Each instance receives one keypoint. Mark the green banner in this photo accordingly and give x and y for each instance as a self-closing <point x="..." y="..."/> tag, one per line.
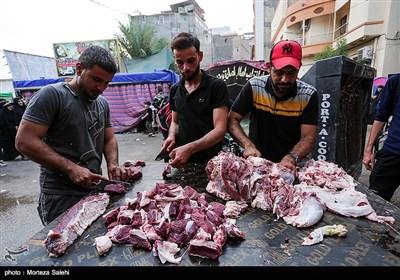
<point x="6" y="95"/>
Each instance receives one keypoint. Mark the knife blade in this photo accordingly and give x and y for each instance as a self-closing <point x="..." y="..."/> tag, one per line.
<point x="161" y="156"/>
<point x="117" y="182"/>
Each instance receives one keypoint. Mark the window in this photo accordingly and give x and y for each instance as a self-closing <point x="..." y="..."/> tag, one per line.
<point x="343" y="25"/>
<point x="305" y="25"/>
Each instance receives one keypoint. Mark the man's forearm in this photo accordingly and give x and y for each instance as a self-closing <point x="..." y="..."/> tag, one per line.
<point x="238" y="134"/>
<point x="207" y="141"/>
<point x="173" y="130"/>
<point x="41" y="153"/>
<point x="304" y="146"/>
<point x="376" y="130"/>
<point x="111" y="152"/>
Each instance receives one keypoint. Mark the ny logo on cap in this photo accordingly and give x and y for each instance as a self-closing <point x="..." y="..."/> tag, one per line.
<point x="287" y="49"/>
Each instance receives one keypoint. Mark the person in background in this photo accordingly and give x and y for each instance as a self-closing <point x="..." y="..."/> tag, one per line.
<point x="164" y="117"/>
<point x="2" y="164"/>
<point x="284" y="111"/>
<point x="385" y="164"/>
<point x="148" y="117"/>
<point x="160" y="99"/>
<point x="60" y="51"/>
<point x="67" y="129"/>
<point x="199" y="105"/>
<point x="19" y="108"/>
<point x="9" y="122"/>
<point x="162" y="114"/>
<point x="373" y="104"/>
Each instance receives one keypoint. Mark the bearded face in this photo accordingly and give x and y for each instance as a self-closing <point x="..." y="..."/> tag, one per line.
<point x="188" y="62"/>
<point x="284" y="79"/>
<point x="190" y="75"/>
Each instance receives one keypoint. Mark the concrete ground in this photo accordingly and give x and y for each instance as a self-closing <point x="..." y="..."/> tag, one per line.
<point x="19" y="190"/>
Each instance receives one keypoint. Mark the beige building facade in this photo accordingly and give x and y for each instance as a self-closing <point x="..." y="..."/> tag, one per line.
<point x="371" y="29"/>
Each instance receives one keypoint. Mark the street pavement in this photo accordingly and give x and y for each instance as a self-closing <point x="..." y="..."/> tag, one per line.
<point x="19" y="190"/>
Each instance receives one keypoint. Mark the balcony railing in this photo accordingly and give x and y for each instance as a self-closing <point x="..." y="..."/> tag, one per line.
<point x="339" y="32"/>
<point x="323" y="37"/>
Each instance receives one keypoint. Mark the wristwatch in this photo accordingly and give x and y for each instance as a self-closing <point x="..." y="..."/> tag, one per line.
<point x="294" y="156"/>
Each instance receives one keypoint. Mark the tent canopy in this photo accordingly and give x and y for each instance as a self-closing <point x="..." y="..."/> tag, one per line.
<point x="157" y="76"/>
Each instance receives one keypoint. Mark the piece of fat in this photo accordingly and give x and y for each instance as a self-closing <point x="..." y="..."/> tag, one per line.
<point x="317" y="235"/>
<point x="103" y="244"/>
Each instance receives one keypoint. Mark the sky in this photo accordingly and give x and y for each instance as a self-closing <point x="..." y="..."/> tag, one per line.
<point x="33" y="26"/>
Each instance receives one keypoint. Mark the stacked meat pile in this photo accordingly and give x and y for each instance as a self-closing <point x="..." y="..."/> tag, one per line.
<point x="269" y="186"/>
<point x="168" y="218"/>
<point x="336" y="190"/>
<point x="263" y="184"/>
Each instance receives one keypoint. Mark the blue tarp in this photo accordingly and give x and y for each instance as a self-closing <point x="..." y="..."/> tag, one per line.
<point x="158" y="76"/>
<point x="35" y="83"/>
<point x="126" y="94"/>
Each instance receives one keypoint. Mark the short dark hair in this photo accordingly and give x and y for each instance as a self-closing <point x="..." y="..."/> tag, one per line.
<point x="185" y="40"/>
<point x="160" y="89"/>
<point x="96" y="55"/>
<point x="147" y="102"/>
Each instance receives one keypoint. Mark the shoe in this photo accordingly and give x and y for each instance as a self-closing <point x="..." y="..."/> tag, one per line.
<point x="151" y="135"/>
<point x="2" y="164"/>
<point x="24" y="158"/>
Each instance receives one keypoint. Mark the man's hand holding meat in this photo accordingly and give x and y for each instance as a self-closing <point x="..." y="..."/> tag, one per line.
<point x="251" y="151"/>
<point x="180" y="155"/>
<point x="118" y="172"/>
<point x="288" y="162"/>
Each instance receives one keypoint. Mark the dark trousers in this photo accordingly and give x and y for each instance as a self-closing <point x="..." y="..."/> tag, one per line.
<point x="9" y="152"/>
<point x="53" y="205"/>
<point x="385" y="176"/>
<point x="149" y="127"/>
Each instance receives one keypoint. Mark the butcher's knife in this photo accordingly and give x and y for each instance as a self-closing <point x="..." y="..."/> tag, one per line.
<point x="161" y="156"/>
<point x="117" y="182"/>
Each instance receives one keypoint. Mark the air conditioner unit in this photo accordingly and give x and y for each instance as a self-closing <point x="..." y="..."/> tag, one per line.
<point x="365" y="53"/>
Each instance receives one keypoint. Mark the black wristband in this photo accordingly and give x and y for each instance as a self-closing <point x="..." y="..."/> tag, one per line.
<point x="293" y="156"/>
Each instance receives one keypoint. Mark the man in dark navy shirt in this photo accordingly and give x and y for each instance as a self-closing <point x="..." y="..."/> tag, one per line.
<point x="385" y="164"/>
<point x="199" y="104"/>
